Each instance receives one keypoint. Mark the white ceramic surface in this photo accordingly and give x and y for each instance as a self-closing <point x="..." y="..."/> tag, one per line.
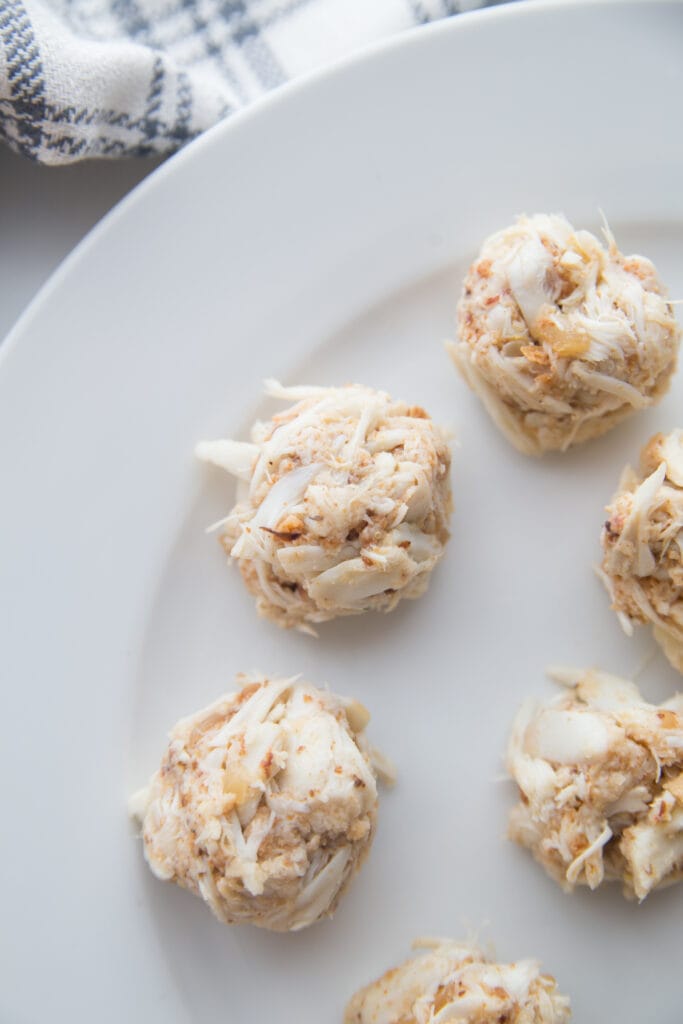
<point x="320" y="237"/>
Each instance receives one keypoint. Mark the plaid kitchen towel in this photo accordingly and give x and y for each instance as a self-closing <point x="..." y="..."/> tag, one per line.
<point x="83" y="78"/>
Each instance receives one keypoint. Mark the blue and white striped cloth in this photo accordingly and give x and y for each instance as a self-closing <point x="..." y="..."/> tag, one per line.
<point x="84" y="78"/>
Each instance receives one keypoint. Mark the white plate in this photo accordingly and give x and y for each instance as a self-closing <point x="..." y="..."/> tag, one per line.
<point x="321" y="237"/>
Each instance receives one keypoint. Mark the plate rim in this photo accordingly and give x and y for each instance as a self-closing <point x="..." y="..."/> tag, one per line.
<point x="269" y="102"/>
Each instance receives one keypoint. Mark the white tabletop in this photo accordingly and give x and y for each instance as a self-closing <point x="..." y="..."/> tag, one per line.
<point x="44" y="213"/>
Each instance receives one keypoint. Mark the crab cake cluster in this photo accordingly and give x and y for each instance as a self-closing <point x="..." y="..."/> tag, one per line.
<point x="265" y="804"/>
<point x="452" y="981"/>
<point x="343" y="506"/>
<point x="642" y="541"/>
<point x="600" y="777"/>
<point x="560" y="336"/>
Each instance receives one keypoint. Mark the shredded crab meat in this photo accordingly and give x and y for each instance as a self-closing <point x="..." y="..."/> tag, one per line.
<point x="560" y="336"/>
<point x="265" y="803"/>
<point x="642" y="542"/>
<point x="600" y="777"/>
<point x="454" y="981"/>
<point x="343" y="503"/>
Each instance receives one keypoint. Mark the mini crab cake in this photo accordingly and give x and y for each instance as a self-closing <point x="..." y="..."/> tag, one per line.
<point x="453" y="981"/>
<point x="561" y="337"/>
<point x="343" y="507"/>
<point x="600" y="775"/>
<point x="264" y="805"/>
<point x="642" y="541"/>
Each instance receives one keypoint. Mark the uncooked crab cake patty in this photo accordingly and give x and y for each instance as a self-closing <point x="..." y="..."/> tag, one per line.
<point x="560" y="336"/>
<point x="642" y="542"/>
<point x="265" y="803"/>
<point x="454" y="981"/>
<point x="600" y="777"/>
<point x="343" y="503"/>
